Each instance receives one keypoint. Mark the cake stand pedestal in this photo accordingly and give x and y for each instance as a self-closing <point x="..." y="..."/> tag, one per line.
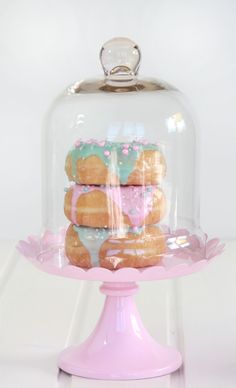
<point x="119" y="348"/>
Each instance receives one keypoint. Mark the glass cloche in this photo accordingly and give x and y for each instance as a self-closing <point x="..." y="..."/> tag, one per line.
<point x="120" y="173"/>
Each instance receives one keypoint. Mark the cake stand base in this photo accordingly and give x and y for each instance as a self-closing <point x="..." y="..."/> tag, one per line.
<point x="119" y="348"/>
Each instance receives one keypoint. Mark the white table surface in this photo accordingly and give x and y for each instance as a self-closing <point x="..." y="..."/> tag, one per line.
<point x="41" y="314"/>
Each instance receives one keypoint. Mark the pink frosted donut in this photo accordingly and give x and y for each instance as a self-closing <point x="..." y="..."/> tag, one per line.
<point x="114" y="206"/>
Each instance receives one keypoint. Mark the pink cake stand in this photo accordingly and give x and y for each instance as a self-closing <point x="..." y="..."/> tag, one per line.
<point x="119" y="348"/>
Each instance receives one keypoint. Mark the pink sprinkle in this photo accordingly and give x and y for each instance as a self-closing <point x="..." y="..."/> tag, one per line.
<point x="143" y="141"/>
<point x="101" y="143"/>
<point x="106" y="153"/>
<point x="126" y="145"/>
<point x="135" y="148"/>
<point x="77" y="143"/>
<point x="125" y="151"/>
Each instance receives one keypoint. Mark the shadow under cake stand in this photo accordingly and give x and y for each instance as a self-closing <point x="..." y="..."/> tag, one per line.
<point x="119" y="348"/>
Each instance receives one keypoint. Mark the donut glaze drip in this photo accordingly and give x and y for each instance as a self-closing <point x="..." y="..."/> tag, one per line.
<point x="92" y="239"/>
<point x="134" y="201"/>
<point x="119" y="158"/>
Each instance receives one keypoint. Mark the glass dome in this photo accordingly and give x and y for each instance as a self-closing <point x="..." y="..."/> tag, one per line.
<point x="120" y="172"/>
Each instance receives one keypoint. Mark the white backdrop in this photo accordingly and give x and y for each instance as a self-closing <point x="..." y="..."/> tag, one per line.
<point x="48" y="44"/>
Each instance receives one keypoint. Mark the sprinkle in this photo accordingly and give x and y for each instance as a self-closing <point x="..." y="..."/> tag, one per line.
<point x="106" y="153"/>
<point x="126" y="146"/>
<point x="135" y="148"/>
<point x="86" y="188"/>
<point x="142" y="141"/>
<point x="125" y="151"/>
<point x="101" y="143"/>
<point x="77" y="143"/>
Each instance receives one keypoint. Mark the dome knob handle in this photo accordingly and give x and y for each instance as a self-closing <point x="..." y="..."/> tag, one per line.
<point x="120" y="59"/>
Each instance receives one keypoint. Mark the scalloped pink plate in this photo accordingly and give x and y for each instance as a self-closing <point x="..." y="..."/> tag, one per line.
<point x="180" y="262"/>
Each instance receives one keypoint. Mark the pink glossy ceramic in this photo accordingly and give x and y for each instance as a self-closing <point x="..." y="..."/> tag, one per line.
<point x="119" y="348"/>
<point x="181" y="262"/>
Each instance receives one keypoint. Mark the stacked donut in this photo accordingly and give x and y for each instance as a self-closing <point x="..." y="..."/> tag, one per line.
<point x="114" y="204"/>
